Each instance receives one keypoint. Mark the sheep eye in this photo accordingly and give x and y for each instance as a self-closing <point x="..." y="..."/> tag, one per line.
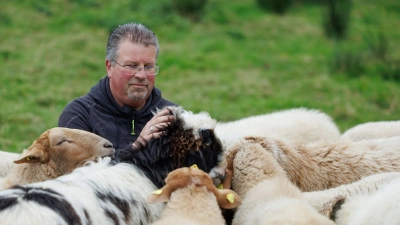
<point x="62" y="141"/>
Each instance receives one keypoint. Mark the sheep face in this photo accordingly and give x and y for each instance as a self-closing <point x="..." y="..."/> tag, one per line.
<point x="66" y="148"/>
<point x="190" y="140"/>
<point x="184" y="177"/>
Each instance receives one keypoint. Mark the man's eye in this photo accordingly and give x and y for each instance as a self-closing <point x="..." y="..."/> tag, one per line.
<point x="149" y="67"/>
<point x="131" y="67"/>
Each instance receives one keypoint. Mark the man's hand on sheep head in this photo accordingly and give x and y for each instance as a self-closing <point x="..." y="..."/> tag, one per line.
<point x="155" y="128"/>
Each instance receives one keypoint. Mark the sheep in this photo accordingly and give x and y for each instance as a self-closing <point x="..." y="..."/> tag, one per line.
<point x="101" y="193"/>
<point x="6" y="162"/>
<point x="190" y="140"/>
<point x="372" y="200"/>
<point x="57" y="151"/>
<point x="192" y="198"/>
<point x="268" y="195"/>
<point x="381" y="208"/>
<point x="296" y="125"/>
<point x="322" y="165"/>
<point x="373" y="130"/>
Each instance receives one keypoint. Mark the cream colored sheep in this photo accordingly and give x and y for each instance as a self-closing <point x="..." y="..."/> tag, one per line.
<point x="7" y="162"/>
<point x="380" y="208"/>
<point x="268" y="195"/>
<point x="296" y="125"/>
<point x="371" y="200"/>
<point x="373" y="130"/>
<point x="56" y="152"/>
<point x="322" y="165"/>
<point x="192" y="199"/>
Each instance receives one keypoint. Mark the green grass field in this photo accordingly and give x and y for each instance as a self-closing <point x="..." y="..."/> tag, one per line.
<point x="236" y="61"/>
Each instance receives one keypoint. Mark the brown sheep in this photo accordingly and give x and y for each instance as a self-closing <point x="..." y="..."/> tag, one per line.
<point x="268" y="195"/>
<point x="322" y="165"/>
<point x="56" y="152"/>
<point x="192" y="198"/>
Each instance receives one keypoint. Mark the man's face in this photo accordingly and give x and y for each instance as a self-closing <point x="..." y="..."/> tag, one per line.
<point x="127" y="88"/>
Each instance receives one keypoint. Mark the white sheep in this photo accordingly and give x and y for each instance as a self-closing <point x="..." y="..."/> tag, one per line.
<point x="321" y="165"/>
<point x="381" y="208"/>
<point x="373" y="130"/>
<point x="7" y="162"/>
<point x="56" y="152"/>
<point x="296" y="125"/>
<point x="371" y="200"/>
<point x="193" y="199"/>
<point x="268" y="195"/>
<point x="99" y="193"/>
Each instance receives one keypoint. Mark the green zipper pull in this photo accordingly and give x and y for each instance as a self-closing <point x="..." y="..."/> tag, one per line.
<point x="133" y="127"/>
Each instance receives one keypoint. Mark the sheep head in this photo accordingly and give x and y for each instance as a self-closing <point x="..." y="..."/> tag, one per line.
<point x="66" y="149"/>
<point x="183" y="177"/>
<point x="190" y="140"/>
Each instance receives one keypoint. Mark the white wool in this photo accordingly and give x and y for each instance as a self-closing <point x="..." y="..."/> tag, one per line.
<point x="6" y="162"/>
<point x="371" y="200"/>
<point x="373" y="130"/>
<point x="383" y="207"/>
<point x="294" y="125"/>
<point x="197" y="122"/>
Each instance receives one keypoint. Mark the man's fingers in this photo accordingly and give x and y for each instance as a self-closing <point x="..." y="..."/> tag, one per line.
<point x="156" y="135"/>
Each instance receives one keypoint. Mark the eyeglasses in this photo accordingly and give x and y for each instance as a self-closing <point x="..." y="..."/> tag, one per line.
<point x="148" y="70"/>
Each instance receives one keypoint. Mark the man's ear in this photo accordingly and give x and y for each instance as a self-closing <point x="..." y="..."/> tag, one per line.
<point x="228" y="199"/>
<point x="108" y="67"/>
<point x="160" y="195"/>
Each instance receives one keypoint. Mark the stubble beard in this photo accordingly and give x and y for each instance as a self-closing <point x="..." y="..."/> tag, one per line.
<point x="137" y="94"/>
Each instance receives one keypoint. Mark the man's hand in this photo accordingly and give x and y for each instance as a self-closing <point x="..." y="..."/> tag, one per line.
<point x="155" y="128"/>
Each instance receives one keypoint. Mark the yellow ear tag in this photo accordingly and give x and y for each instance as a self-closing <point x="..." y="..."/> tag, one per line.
<point x="220" y="186"/>
<point x="157" y="192"/>
<point x="231" y="198"/>
<point x="194" y="166"/>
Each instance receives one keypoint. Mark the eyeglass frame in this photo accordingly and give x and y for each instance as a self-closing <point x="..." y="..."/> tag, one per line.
<point x="135" y="70"/>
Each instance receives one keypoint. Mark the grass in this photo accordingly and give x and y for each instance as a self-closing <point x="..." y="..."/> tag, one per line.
<point x="236" y="61"/>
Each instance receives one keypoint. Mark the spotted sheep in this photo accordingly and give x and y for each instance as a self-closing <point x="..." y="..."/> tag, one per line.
<point x="114" y="190"/>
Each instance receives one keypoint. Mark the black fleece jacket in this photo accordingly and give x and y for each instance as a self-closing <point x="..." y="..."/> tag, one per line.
<point x="99" y="113"/>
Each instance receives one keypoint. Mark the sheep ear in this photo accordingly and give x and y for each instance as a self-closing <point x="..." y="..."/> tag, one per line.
<point x="330" y="208"/>
<point x="228" y="199"/>
<point x="32" y="158"/>
<point x="159" y="196"/>
<point x="37" y="152"/>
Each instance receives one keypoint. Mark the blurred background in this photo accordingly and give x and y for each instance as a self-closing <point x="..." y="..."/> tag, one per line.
<point x="230" y="58"/>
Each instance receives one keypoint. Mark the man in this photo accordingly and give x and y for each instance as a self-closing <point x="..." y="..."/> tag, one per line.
<point x="120" y="107"/>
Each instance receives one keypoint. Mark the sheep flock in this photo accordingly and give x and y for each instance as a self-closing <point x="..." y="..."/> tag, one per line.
<point x="287" y="167"/>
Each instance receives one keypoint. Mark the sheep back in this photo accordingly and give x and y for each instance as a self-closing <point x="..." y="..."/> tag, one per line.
<point x="99" y="193"/>
<point x="372" y="130"/>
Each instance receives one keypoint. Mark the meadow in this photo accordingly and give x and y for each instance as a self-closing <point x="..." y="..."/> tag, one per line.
<point x="236" y="60"/>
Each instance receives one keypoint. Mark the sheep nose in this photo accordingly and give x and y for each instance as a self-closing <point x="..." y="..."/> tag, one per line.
<point x="108" y="144"/>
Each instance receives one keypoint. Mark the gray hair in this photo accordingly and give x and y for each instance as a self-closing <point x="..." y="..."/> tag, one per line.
<point x="135" y="32"/>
